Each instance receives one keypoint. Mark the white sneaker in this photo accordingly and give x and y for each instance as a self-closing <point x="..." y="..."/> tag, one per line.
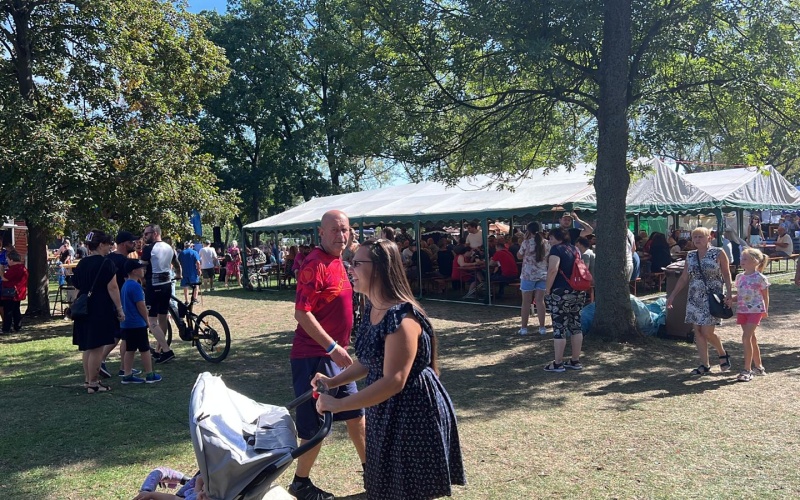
<point x="542" y="330"/>
<point x="523" y="331"/>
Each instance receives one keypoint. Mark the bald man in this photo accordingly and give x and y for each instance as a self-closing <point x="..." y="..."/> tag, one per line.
<point x="324" y="314"/>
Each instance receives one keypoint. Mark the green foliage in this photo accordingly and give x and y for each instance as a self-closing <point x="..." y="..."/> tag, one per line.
<point x="94" y="113"/>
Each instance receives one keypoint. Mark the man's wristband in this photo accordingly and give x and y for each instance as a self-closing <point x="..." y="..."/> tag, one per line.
<point x="331" y="347"/>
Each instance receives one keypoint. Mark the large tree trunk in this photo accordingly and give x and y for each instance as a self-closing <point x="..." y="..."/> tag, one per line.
<point x="38" y="280"/>
<point x="614" y="318"/>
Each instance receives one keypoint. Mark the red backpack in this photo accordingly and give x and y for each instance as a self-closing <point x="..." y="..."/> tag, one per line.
<point x="580" y="279"/>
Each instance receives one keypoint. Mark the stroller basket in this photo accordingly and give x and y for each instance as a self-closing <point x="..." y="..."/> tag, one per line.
<point x="242" y="446"/>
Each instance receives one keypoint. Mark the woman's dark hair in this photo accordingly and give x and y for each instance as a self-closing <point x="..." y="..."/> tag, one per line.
<point x="559" y="235"/>
<point x="95" y="238"/>
<point x="659" y="240"/>
<point x="389" y="276"/>
<point x="584" y="242"/>
<point x="538" y="241"/>
<point x="461" y="249"/>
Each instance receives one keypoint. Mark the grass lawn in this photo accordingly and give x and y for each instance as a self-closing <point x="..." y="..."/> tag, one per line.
<point x="632" y="424"/>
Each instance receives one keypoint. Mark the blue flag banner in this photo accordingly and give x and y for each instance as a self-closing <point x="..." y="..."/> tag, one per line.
<point x="196" y="224"/>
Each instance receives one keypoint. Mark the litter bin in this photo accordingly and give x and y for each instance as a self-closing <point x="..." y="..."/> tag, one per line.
<point x="676" y="326"/>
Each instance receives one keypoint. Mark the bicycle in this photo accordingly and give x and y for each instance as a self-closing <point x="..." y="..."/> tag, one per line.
<point x="206" y="330"/>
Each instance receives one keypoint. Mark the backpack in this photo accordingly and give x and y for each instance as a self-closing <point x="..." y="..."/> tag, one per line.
<point x="580" y="279"/>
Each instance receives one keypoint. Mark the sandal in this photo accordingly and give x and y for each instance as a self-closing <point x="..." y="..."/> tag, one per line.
<point x="700" y="370"/>
<point x="554" y="367"/>
<point x="723" y="367"/>
<point x="98" y="388"/>
<point x="744" y="376"/>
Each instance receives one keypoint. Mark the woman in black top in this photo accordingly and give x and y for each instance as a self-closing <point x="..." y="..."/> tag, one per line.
<point x="565" y="303"/>
<point x="660" y="256"/>
<point x="92" y="333"/>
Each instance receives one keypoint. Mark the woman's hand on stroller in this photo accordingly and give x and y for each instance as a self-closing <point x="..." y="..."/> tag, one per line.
<point x="327" y="403"/>
<point x="318" y="379"/>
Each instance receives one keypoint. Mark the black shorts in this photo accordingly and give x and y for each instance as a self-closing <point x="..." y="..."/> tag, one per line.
<point x="208" y="273"/>
<point x="157" y="299"/>
<point x="136" y="339"/>
<point x="307" y="420"/>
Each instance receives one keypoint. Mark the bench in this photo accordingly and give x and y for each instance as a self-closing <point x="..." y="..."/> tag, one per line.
<point x="780" y="259"/>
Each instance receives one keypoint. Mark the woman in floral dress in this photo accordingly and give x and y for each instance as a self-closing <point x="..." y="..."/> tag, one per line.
<point x="706" y="270"/>
<point x="413" y="449"/>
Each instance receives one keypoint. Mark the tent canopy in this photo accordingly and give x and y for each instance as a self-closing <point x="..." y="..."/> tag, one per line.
<point x="663" y="191"/>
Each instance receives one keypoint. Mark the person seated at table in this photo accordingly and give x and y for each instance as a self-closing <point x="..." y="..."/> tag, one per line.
<point x="406" y="252"/>
<point x="674" y="246"/>
<point x="471" y="265"/>
<point x="432" y="247"/>
<point x="514" y="247"/>
<point x="418" y="257"/>
<point x="444" y="259"/>
<point x="660" y="253"/>
<point x="508" y="272"/>
<point x="492" y="241"/>
<point x="790" y="224"/>
<point x="587" y="254"/>
<point x="783" y="244"/>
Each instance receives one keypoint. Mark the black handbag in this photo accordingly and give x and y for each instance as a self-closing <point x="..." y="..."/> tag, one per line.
<point x="80" y="306"/>
<point x="9" y="293"/>
<point x="716" y="301"/>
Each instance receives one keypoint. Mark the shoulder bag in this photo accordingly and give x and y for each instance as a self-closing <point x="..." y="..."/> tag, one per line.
<point x="80" y="306"/>
<point x="716" y="301"/>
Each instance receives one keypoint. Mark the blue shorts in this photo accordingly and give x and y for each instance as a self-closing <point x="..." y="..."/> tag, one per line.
<point x="187" y="281"/>
<point x="307" y="420"/>
<point x="530" y="286"/>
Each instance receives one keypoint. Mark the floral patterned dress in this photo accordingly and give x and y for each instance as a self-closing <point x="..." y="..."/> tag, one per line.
<point x="413" y="450"/>
<point x="697" y="312"/>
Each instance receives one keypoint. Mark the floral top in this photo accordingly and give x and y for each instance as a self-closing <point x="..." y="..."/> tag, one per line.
<point x="532" y="270"/>
<point x="749" y="298"/>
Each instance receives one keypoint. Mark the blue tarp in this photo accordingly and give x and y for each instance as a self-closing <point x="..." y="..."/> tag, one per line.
<point x="648" y="316"/>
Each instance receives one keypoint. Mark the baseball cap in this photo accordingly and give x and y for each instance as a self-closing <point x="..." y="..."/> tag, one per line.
<point x="567" y="214"/>
<point x="133" y="264"/>
<point x="125" y="236"/>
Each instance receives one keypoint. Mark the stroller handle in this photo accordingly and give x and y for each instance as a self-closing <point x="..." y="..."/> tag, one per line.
<point x="327" y="419"/>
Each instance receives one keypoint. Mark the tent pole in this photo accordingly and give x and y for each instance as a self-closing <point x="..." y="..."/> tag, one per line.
<point x="419" y="256"/>
<point x="720" y="223"/>
<point x="485" y="230"/>
<point x="245" y="274"/>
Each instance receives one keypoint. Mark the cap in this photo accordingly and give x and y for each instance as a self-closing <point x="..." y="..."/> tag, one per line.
<point x="133" y="264"/>
<point x="567" y="214"/>
<point x="125" y="236"/>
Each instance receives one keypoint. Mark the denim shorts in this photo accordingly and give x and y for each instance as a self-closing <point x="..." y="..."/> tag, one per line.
<point x="530" y="286"/>
<point x="307" y="420"/>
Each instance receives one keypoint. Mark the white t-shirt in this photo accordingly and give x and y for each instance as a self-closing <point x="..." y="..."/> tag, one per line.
<point x="787" y="240"/>
<point x="207" y="255"/>
<point x="475" y="240"/>
<point x="161" y="262"/>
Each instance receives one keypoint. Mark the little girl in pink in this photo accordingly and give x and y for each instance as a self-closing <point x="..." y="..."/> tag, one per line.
<point x="752" y="304"/>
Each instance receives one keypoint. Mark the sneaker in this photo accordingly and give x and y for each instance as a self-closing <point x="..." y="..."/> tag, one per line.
<point x="759" y="371"/>
<point x="309" y="492"/>
<point x="480" y="286"/>
<point x="104" y="373"/>
<point x="542" y="330"/>
<point x="132" y="379"/>
<point x="166" y="356"/>
<point x="744" y="376"/>
<point x="121" y="373"/>
<point x="523" y="331"/>
<point x="573" y="365"/>
<point x="470" y="294"/>
<point x="554" y="367"/>
<point x="152" y="377"/>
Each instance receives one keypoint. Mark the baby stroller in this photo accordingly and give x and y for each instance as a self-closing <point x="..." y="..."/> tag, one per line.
<point x="242" y="446"/>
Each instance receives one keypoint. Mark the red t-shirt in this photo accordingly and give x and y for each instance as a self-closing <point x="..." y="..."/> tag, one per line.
<point x="508" y="264"/>
<point x="324" y="290"/>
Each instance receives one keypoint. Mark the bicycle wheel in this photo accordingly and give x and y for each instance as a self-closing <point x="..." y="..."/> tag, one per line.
<point x="212" y="337"/>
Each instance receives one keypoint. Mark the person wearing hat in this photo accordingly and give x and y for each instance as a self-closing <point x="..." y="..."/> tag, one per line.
<point x="567" y="221"/>
<point x="134" y="327"/>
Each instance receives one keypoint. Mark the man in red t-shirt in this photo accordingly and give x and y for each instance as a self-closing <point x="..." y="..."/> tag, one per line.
<point x="508" y="266"/>
<point x="324" y="314"/>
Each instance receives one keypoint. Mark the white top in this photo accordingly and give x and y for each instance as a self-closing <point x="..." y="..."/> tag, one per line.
<point x="161" y="262"/>
<point x="475" y="240"/>
<point x="787" y="240"/>
<point x="207" y="255"/>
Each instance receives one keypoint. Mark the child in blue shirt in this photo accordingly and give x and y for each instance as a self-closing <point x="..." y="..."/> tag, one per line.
<point x="134" y="328"/>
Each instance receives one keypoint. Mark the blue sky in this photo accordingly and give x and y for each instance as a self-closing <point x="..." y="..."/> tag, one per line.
<point x="198" y="5"/>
